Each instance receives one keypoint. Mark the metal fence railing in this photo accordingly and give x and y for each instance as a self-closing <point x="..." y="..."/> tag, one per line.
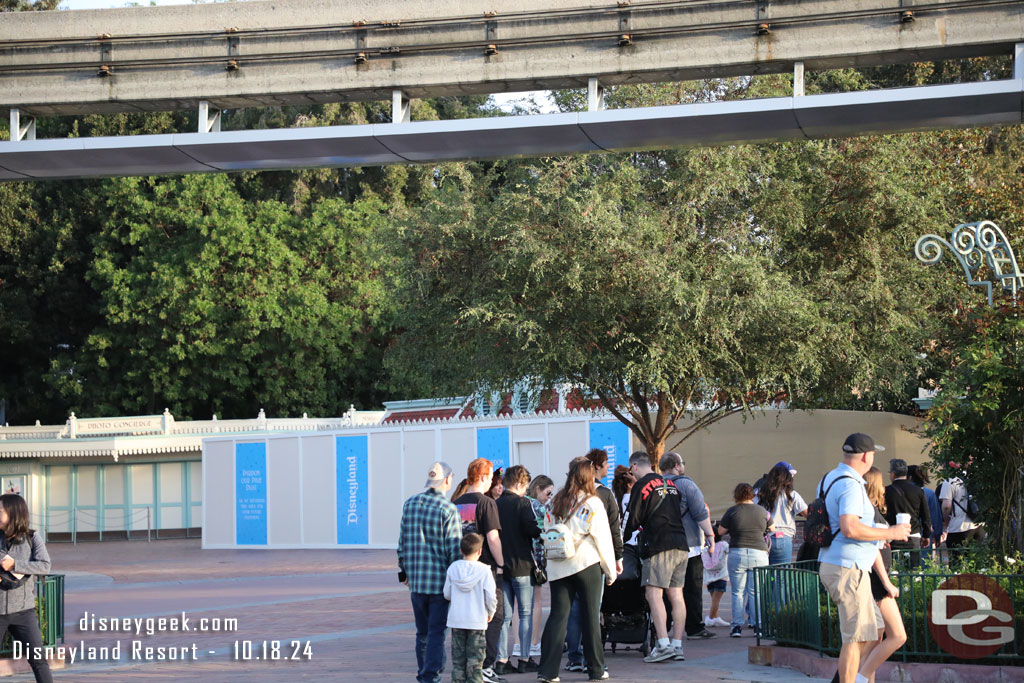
<point x="49" y="609"/>
<point x="796" y="611"/>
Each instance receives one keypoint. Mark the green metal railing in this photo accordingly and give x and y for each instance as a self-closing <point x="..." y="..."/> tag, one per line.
<point x="796" y="611"/>
<point x="49" y="609"/>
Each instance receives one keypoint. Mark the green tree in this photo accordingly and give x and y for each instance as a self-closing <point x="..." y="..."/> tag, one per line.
<point x="215" y="305"/>
<point x="977" y="420"/>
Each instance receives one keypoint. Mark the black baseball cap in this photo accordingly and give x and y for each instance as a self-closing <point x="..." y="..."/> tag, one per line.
<point x="860" y="443"/>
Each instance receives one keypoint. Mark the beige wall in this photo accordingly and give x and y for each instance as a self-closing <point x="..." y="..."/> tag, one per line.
<point x="734" y="450"/>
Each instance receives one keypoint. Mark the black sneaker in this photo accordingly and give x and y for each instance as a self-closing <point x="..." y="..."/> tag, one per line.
<point x="526" y="666"/>
<point x="703" y="635"/>
<point x="575" y="667"/>
<point x="502" y="668"/>
<point x="737" y="632"/>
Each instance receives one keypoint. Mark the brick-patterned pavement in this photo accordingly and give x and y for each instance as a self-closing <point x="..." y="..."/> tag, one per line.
<point x="346" y="604"/>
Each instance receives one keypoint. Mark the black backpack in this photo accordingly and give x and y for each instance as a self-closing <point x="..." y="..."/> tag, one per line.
<point x="972" y="508"/>
<point x="817" y="529"/>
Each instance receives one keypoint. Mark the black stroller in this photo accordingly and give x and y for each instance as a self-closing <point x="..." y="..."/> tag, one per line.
<point x="625" y="616"/>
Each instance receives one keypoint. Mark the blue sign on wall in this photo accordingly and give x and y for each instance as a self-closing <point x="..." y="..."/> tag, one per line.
<point x="251" y="494"/>
<point x="613" y="437"/>
<point x="353" y="468"/>
<point x="493" y="445"/>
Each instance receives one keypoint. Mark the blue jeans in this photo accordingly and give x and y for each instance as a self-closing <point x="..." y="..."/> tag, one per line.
<point x="781" y="552"/>
<point x="431" y="613"/>
<point x="741" y="580"/>
<point x="574" y="632"/>
<point x="517" y="589"/>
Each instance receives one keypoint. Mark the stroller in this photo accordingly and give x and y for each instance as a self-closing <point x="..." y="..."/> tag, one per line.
<point x="625" y="616"/>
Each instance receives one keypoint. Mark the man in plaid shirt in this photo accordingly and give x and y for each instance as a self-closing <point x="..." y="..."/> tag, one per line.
<point x="427" y="543"/>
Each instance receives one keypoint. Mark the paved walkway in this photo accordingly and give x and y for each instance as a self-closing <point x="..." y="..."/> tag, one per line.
<point x="345" y="605"/>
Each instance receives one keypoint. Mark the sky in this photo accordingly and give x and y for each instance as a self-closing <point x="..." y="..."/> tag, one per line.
<point x="503" y="100"/>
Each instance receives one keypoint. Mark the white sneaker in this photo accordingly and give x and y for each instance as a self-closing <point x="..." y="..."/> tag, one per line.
<point x="709" y="622"/>
<point x="515" y="650"/>
<point x="660" y="654"/>
<point x="719" y="621"/>
<point x="535" y="650"/>
<point x="678" y="655"/>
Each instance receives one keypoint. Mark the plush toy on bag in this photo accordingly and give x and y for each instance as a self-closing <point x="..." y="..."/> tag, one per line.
<point x="561" y="538"/>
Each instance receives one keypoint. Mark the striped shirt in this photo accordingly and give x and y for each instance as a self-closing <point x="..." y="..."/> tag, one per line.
<point x="428" y="541"/>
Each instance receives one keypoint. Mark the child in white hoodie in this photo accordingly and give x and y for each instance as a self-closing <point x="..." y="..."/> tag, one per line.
<point x="470" y="587"/>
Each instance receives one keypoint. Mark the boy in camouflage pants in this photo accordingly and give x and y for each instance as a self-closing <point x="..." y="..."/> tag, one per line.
<point x="470" y="587"/>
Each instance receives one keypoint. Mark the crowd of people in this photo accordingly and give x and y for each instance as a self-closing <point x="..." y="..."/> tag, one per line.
<point x="505" y="540"/>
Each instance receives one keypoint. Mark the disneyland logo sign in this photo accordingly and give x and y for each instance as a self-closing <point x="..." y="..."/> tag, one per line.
<point x="971" y="616"/>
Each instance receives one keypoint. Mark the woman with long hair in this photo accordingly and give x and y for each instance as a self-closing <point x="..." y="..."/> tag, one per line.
<point x="22" y="556"/>
<point x="578" y="516"/>
<point x="892" y="637"/>
<point x="622" y="484"/>
<point x="784" y="504"/>
<point x="746" y="523"/>
<point x="539" y="494"/>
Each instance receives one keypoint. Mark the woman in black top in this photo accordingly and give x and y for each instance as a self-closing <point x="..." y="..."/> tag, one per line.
<point x="882" y="590"/>
<point x="747" y="524"/>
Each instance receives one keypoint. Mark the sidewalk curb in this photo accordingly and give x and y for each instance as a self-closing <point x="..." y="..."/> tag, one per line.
<point x="820" y="666"/>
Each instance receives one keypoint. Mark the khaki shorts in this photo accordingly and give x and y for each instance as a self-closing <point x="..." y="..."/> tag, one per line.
<point x="850" y="589"/>
<point x="667" y="569"/>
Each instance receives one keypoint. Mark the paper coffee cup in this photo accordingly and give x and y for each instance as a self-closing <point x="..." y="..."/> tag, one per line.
<point x="903" y="518"/>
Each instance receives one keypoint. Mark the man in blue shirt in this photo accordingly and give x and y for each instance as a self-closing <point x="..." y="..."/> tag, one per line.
<point x="428" y="542"/>
<point x="846" y="562"/>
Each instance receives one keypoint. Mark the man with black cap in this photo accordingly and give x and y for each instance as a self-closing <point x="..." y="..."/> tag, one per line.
<point x="428" y="541"/>
<point x="846" y="562"/>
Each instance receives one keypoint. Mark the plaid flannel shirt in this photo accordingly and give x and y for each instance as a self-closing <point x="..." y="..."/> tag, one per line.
<point x="428" y="541"/>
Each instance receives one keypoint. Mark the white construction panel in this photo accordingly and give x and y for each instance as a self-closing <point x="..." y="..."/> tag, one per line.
<point x="115" y="519"/>
<point x="458" y="449"/>
<point x="530" y="454"/>
<point x="385" y="512"/>
<point x="566" y="440"/>
<point x="319" y="512"/>
<point x="283" y="527"/>
<point x="420" y="452"/>
<point x="219" y="501"/>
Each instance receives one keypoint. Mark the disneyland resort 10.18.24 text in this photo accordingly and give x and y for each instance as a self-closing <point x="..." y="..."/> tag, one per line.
<point x="139" y="629"/>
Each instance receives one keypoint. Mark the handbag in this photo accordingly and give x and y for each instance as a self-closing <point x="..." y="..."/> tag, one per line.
<point x="538" y="575"/>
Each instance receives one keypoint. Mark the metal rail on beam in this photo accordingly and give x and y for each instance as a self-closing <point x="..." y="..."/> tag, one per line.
<point x="427" y="142"/>
<point x="303" y="52"/>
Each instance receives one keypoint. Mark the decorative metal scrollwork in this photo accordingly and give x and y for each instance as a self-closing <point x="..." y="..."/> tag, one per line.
<point x="976" y="245"/>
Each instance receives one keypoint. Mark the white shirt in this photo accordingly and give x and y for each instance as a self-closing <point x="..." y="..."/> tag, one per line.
<point x="954" y="491"/>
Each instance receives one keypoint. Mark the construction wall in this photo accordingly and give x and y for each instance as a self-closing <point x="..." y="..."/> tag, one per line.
<point x="346" y="488"/>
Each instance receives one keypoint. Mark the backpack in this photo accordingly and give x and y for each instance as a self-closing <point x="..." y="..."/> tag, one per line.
<point x="817" y="528"/>
<point x="560" y="542"/>
<point x="972" y="508"/>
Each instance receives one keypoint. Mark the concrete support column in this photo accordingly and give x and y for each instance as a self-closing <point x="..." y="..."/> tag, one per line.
<point x="595" y="95"/>
<point x="209" y="118"/>
<point x="22" y="128"/>
<point x="1018" y="60"/>
<point x="798" y="79"/>
<point x="401" y="112"/>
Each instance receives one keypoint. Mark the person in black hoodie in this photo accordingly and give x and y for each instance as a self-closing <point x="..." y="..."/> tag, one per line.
<point x="654" y="506"/>
<point x="518" y="529"/>
<point x="904" y="496"/>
